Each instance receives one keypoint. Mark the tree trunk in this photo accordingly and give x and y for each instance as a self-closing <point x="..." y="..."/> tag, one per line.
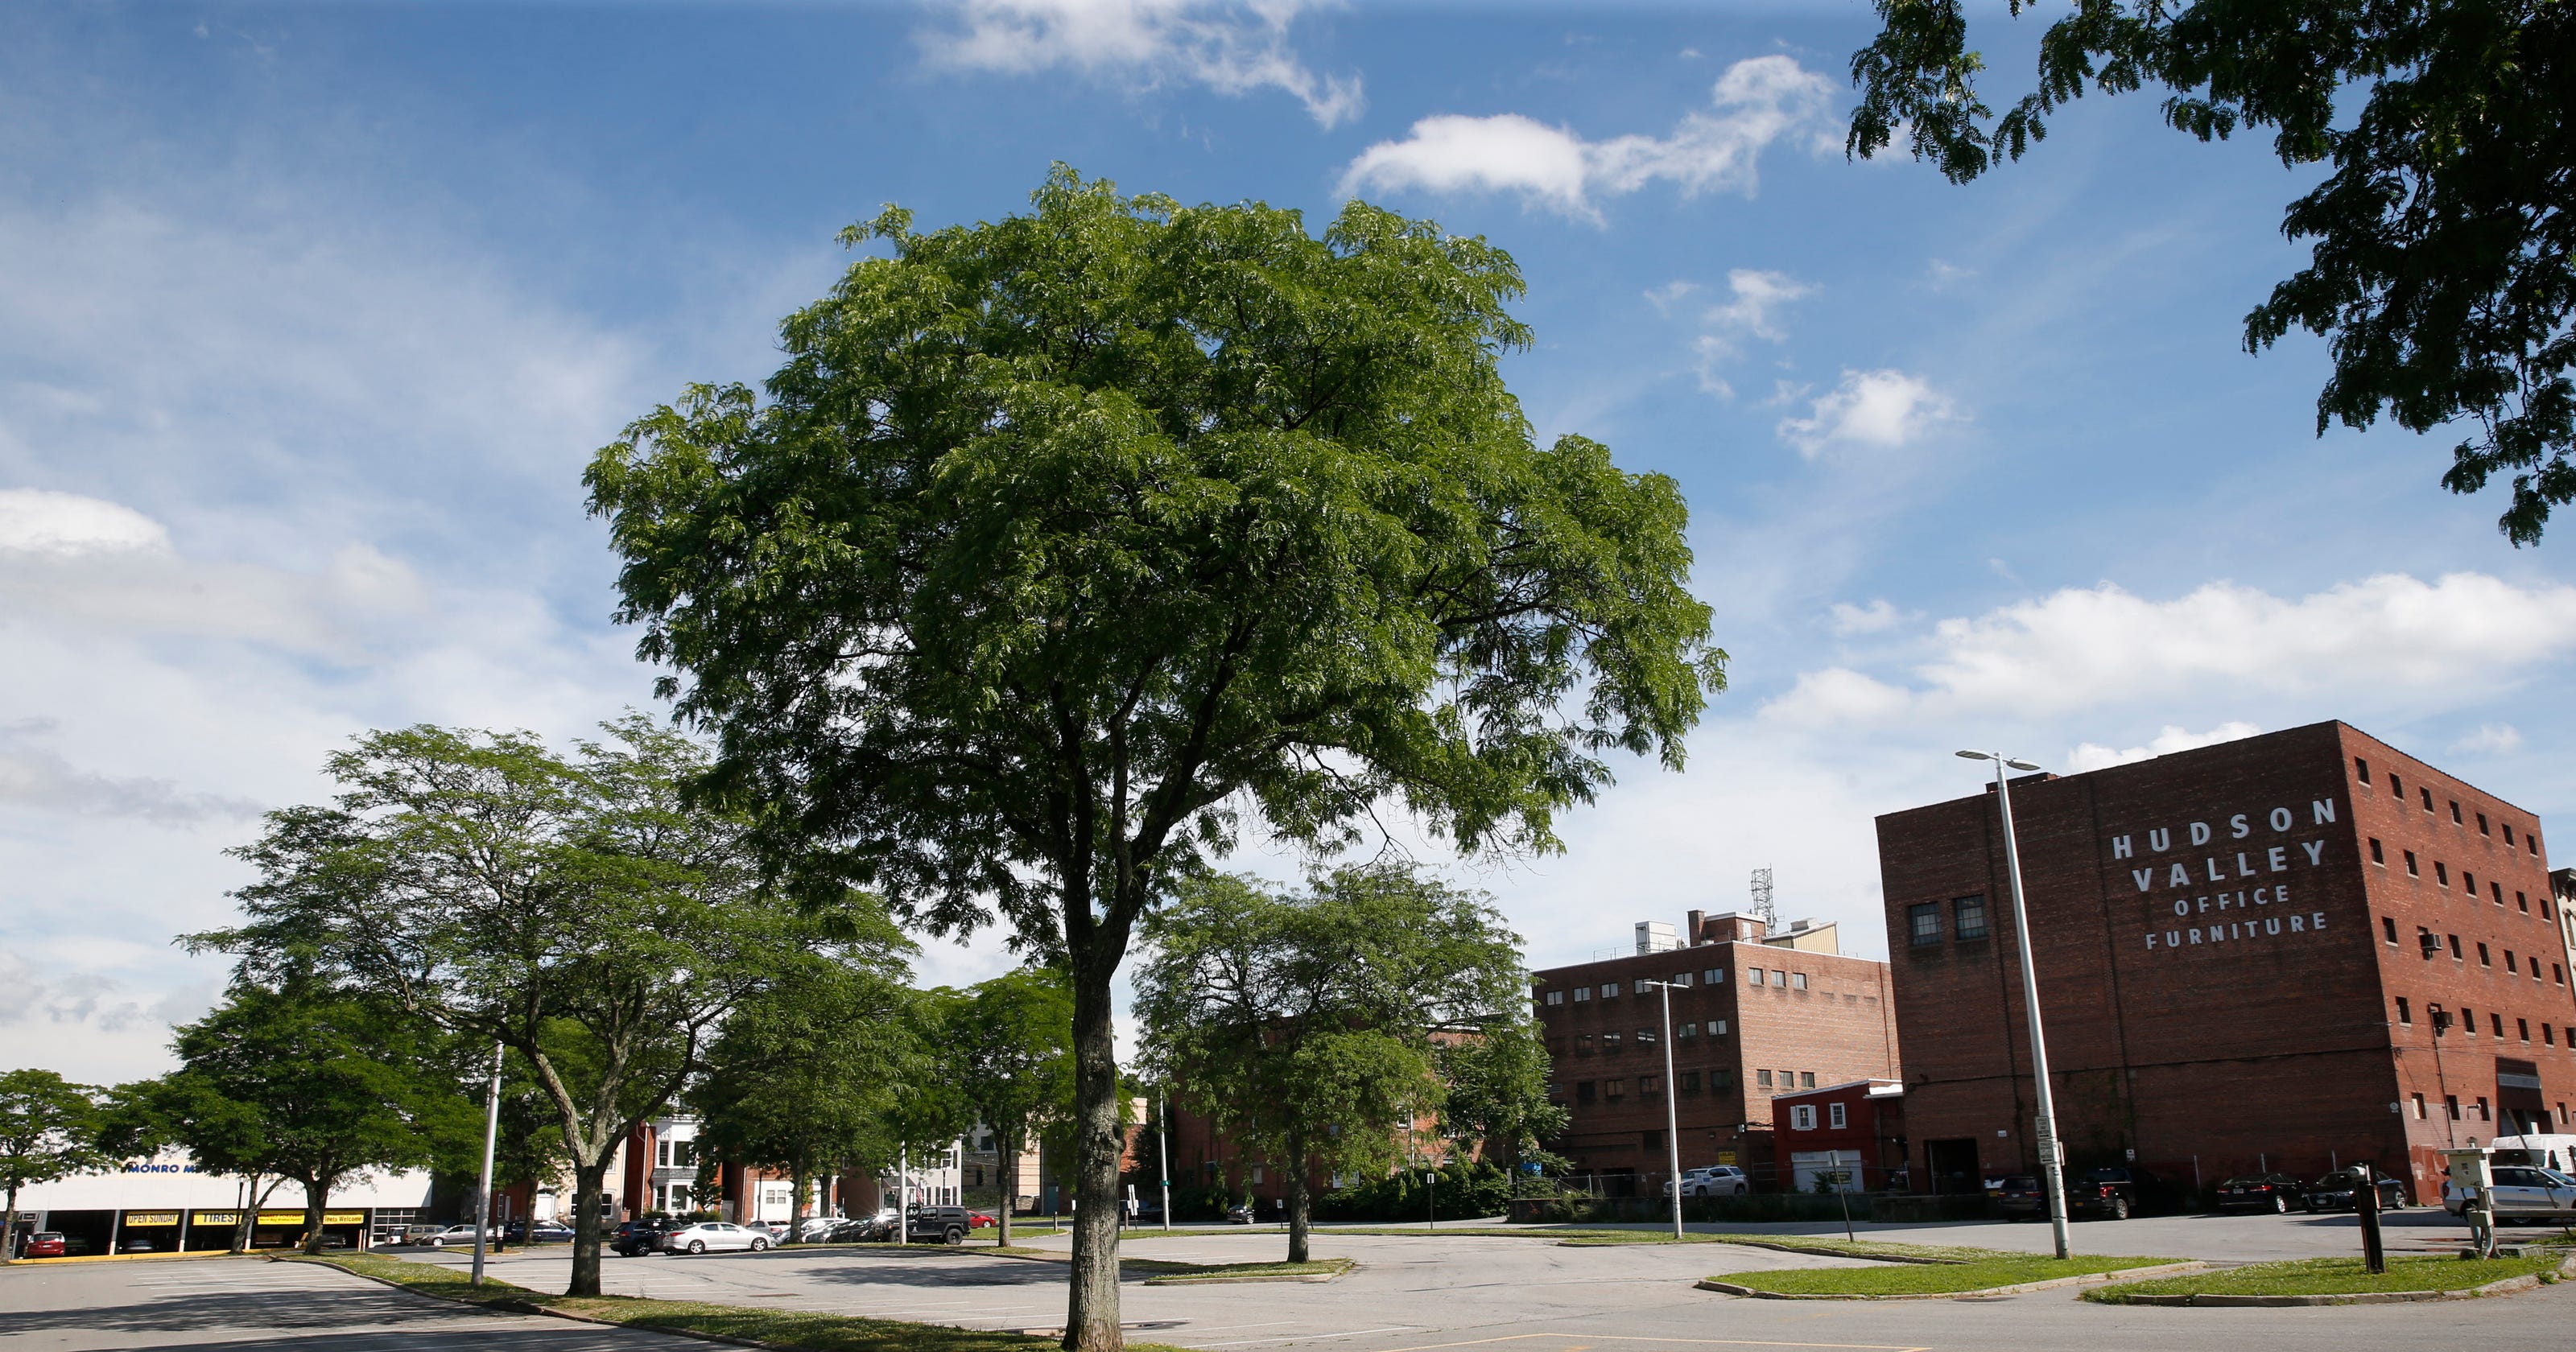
<point x="1008" y="1168"/>
<point x="251" y="1198"/>
<point x="317" y="1196"/>
<point x="796" y="1207"/>
<point x="589" y="1185"/>
<point x="1300" y="1208"/>
<point x="1091" y="1320"/>
<point x="9" y="1240"/>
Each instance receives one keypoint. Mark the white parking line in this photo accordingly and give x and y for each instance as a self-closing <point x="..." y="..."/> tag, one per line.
<point x="1306" y="1337"/>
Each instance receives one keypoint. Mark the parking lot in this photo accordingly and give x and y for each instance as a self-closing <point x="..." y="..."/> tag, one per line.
<point x="1412" y="1293"/>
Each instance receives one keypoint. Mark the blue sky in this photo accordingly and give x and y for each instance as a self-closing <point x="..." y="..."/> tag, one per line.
<point x="312" y="315"/>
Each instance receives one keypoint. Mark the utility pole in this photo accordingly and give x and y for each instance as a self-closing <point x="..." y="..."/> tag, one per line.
<point x="483" y="1181"/>
<point x="2050" y="1166"/>
<point x="1672" y="1112"/>
<point x="1163" y="1147"/>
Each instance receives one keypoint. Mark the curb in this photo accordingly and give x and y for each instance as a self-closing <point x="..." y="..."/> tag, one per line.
<point x="1819" y="1251"/>
<point x="2507" y="1286"/>
<point x="2053" y="1283"/>
<point x="1182" y="1279"/>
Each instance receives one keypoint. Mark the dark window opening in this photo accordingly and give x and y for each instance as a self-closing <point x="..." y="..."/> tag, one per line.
<point x="1968" y="917"/>
<point x="2361" y="769"/>
<point x="1923" y="922"/>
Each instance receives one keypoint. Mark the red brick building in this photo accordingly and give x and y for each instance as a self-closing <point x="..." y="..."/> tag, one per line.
<point x="1755" y="1015"/>
<point x="1857" y="1129"/>
<point x="2296" y="950"/>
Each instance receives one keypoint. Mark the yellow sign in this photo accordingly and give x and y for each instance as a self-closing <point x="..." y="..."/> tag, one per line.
<point x="281" y="1218"/>
<point x="151" y="1218"/>
<point x="216" y="1218"/>
<point x="1726" y="1157"/>
<point x="344" y="1218"/>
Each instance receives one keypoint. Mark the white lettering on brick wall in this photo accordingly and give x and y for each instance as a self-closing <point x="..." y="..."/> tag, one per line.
<point x="2218" y="894"/>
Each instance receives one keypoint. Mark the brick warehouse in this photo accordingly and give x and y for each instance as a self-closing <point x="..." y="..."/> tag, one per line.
<point x="2295" y="950"/>
<point x="1818" y="1018"/>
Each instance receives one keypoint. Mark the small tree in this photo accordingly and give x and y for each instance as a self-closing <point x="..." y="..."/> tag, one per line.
<point x="308" y="1085"/>
<point x="48" y="1129"/>
<point x="804" y="1077"/>
<point x="575" y="909"/>
<point x="1497" y="1098"/>
<point x="1009" y="1043"/>
<point x="1064" y="543"/>
<point x="1303" y="1025"/>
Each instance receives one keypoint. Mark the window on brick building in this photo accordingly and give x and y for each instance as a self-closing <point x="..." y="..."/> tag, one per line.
<point x="2455" y="946"/>
<point x="2469" y="883"/>
<point x="1689" y="1083"/>
<point x="2377" y="855"/>
<point x="2451" y="1105"/>
<point x="1610" y="1044"/>
<point x="2512" y="965"/>
<point x="1688" y="1030"/>
<point x="1717" y="1028"/>
<point x="2427" y="795"/>
<point x="1645" y="1037"/>
<point x="2522" y="903"/>
<point x="2361" y="769"/>
<point x="1923" y="922"/>
<point x="2535" y="967"/>
<point x="2548" y="1036"/>
<point x="1968" y="917"/>
<point x="1797" y="981"/>
<point x="2410" y="865"/>
<point x="1650" y="1086"/>
<point x="1583" y="1045"/>
<point x="2441" y="874"/>
<point x="1753" y="975"/>
<point x="1762" y="1078"/>
<point x="1834" y="1116"/>
<point x="2508" y="831"/>
<point x="2483" y="960"/>
<point x="2429" y="941"/>
<point x="1806" y="1079"/>
<point x="2497" y="1022"/>
<point x="1609" y="990"/>
<point x="2531" y="843"/>
<point x="1802" y="1117"/>
<point x="2388" y="927"/>
<point x="2419" y="1107"/>
<point x="1715" y="976"/>
<point x="2522" y="1027"/>
<point x="1556" y="997"/>
<point x="2496" y="890"/>
<point x="1584" y="1091"/>
<point x="1779" y="976"/>
<point x="1614" y="1090"/>
<point x="1582" y="993"/>
<point x="2557" y="975"/>
<point x="2455" y="813"/>
<point x="1721" y="1079"/>
<point x="1681" y="979"/>
<point x="2482" y="1109"/>
<point x="2405" y="1013"/>
<point x="1654" y="1140"/>
<point x="2482" y="823"/>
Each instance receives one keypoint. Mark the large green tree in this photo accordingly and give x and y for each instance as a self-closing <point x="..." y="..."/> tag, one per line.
<point x="572" y="908"/>
<point x="805" y="1077"/>
<point x="1497" y="1094"/>
<point x="1305" y="1026"/>
<point x="306" y="1084"/>
<point x="2444" y="258"/>
<point x="1065" y="545"/>
<point x="48" y="1130"/>
<point x="1008" y="1043"/>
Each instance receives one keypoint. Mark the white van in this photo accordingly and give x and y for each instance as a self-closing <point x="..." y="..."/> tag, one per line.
<point x="2546" y="1150"/>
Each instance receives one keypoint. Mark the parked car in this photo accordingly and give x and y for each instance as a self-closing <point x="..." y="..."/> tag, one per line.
<point x="1242" y="1213"/>
<point x="44" y="1244"/>
<point x="704" y="1236"/>
<point x="981" y="1219"/>
<point x="2147" y="1193"/>
<point x="2112" y="1193"/>
<point x="550" y="1232"/>
<point x="1716" y="1180"/>
<point x="2523" y="1196"/>
<point x="2020" y="1195"/>
<point x="644" y="1234"/>
<point x="134" y="1244"/>
<point x="2260" y="1192"/>
<point x="938" y="1224"/>
<point x="452" y="1235"/>
<point x="2336" y="1191"/>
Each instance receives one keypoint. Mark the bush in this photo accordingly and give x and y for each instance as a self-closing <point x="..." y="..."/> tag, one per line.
<point x="1477" y="1189"/>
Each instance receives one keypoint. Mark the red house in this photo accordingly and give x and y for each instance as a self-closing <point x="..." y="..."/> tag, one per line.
<point x="1857" y="1127"/>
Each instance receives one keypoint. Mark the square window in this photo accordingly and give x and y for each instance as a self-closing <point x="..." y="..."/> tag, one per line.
<point x="2410" y="868"/>
<point x="1797" y="981"/>
<point x="1681" y="979"/>
<point x="1806" y="1079"/>
<point x="1716" y="976"/>
<point x="1610" y="1043"/>
<point x="1721" y="1079"/>
<point x="1645" y="1037"/>
<point x="1923" y="922"/>
<point x="1763" y="1077"/>
<point x="2377" y="856"/>
<point x="1685" y="1031"/>
<point x="1754" y="975"/>
<point x="1648" y="1086"/>
<point x="1583" y="993"/>
<point x="1614" y="1090"/>
<point x="1609" y="990"/>
<point x="2361" y="769"/>
<point x="1717" y="1028"/>
<point x="1835" y="1116"/>
<point x="2405" y="1013"/>
<point x="1802" y="1117"/>
<point x="1779" y="977"/>
<point x="1690" y="1082"/>
<point x="1558" y="998"/>
<point x="1583" y="1045"/>
<point x="1968" y="917"/>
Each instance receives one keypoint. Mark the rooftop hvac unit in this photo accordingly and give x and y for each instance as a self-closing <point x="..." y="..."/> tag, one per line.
<point x="1655" y="936"/>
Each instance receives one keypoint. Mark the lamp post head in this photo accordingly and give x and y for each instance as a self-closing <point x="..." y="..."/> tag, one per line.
<point x="1995" y="756"/>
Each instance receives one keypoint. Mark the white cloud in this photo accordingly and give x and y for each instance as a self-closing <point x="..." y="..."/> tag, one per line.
<point x="1755" y="103"/>
<point x="38" y="777"/>
<point x="1880" y="409"/>
<point x="1233" y="48"/>
<point x="33" y="521"/>
<point x="2095" y="756"/>
<point x="1756" y="298"/>
<point x="2491" y="739"/>
<point x="2461" y="637"/>
<point x="1878" y="615"/>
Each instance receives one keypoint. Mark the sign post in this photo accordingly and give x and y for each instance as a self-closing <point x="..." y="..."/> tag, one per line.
<point x="2365" y="1204"/>
<point x="2474" y="1177"/>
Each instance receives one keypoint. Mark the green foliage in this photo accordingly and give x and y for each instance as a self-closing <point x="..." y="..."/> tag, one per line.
<point x="1008" y="1045"/>
<point x="1465" y="1190"/>
<point x="578" y="909"/>
<point x="2444" y="255"/>
<point x="48" y="1130"/>
<point x="1497" y="1093"/>
<point x="1062" y="541"/>
<point x="1302" y="1026"/>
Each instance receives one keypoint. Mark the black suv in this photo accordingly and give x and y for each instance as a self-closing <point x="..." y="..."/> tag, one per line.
<point x="638" y="1237"/>
<point x="2115" y="1191"/>
<point x="2260" y="1192"/>
<point x="2335" y="1192"/>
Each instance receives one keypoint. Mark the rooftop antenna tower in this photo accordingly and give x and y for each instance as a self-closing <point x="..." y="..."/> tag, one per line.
<point x="1762" y="898"/>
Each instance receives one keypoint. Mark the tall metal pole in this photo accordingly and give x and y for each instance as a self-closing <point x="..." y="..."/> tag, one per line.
<point x="1163" y="1147"/>
<point x="1672" y="1109"/>
<point x="2049" y="1168"/>
<point x="483" y="1181"/>
<point x="903" y="1194"/>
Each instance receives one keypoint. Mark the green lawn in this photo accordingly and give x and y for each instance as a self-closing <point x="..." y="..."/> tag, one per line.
<point x="1922" y="1279"/>
<point x="2328" y="1276"/>
<point x="1184" y="1274"/>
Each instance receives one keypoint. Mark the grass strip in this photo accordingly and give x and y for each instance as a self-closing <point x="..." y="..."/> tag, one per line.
<point x="793" y="1330"/>
<point x="2331" y="1277"/>
<point x="1214" y="1273"/>
<point x="1933" y="1279"/>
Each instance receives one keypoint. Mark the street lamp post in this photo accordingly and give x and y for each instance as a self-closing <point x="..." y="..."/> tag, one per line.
<point x="2050" y="1167"/>
<point x="1163" y="1146"/>
<point x="1672" y="1112"/>
<point x="483" y="1182"/>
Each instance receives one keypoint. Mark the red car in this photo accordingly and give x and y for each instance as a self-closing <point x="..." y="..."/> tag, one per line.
<point x="980" y="1219"/>
<point x="44" y="1244"/>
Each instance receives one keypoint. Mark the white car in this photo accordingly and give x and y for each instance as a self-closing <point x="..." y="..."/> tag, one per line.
<point x="2523" y="1194"/>
<point x="1717" y="1180"/>
<point x="711" y="1235"/>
